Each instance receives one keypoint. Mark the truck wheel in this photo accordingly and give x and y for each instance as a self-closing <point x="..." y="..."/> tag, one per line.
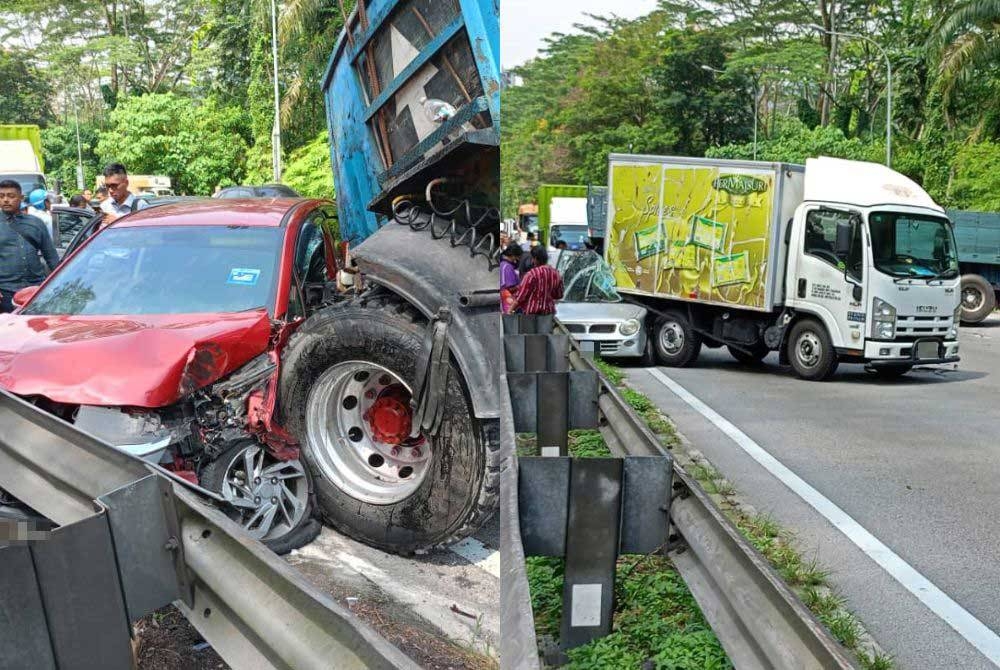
<point x="676" y="343"/>
<point x="271" y="499"/>
<point x="978" y="299"/>
<point x="345" y="393"/>
<point x="753" y="354"/>
<point x="810" y="351"/>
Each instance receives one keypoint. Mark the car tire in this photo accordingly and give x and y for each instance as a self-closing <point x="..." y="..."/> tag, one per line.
<point x="675" y="341"/>
<point x="811" y="352"/>
<point x="459" y="485"/>
<point x="216" y="473"/>
<point x="978" y="299"/>
<point x="751" y="355"/>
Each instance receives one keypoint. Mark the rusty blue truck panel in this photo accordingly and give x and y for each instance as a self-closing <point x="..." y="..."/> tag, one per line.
<point x="412" y="92"/>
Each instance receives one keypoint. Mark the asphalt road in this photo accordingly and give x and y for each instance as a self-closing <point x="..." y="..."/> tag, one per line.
<point x="915" y="462"/>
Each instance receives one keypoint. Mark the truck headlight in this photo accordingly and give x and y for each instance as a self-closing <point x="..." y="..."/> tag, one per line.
<point x="629" y="328"/>
<point x="883" y="320"/>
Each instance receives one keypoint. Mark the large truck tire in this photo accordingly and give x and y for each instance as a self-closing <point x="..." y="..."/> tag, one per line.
<point x="978" y="299"/>
<point x="751" y="355"/>
<point x="811" y="352"/>
<point x="675" y="341"/>
<point x="345" y="391"/>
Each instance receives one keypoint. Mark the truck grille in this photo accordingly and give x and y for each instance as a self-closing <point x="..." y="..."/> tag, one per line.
<point x="922" y="326"/>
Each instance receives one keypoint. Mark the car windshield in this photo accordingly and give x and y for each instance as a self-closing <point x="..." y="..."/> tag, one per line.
<point x="166" y="270"/>
<point x="913" y="245"/>
<point x="586" y="278"/>
<point x="574" y="236"/>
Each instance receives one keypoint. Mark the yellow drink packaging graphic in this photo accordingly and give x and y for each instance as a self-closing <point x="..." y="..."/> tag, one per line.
<point x="733" y="269"/>
<point x="691" y="231"/>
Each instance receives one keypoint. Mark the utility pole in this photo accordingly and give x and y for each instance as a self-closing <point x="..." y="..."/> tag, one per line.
<point x="79" y="150"/>
<point x="276" y="132"/>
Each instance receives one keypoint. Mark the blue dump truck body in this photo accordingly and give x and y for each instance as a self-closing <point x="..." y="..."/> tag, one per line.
<point x="394" y="55"/>
<point x="390" y="388"/>
<point x="977" y="235"/>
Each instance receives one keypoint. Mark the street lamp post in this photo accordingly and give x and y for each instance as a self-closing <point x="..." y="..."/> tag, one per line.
<point x="888" y="90"/>
<point x="79" y="150"/>
<point x="276" y="132"/>
<point x="756" y="104"/>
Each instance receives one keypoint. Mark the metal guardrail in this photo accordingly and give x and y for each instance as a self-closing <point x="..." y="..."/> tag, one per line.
<point x="131" y="539"/>
<point x="760" y="622"/>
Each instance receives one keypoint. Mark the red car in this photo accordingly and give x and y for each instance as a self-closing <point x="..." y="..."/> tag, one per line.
<point x="163" y="335"/>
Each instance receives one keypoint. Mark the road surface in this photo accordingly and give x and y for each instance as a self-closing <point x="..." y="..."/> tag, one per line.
<point x="908" y="470"/>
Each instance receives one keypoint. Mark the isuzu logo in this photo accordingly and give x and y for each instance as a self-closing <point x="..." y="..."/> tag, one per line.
<point x="926" y="309"/>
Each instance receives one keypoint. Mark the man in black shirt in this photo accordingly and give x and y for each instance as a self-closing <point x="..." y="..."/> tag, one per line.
<point x="22" y="239"/>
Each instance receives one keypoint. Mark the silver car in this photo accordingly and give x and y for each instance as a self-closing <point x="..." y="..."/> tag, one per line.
<point x="617" y="330"/>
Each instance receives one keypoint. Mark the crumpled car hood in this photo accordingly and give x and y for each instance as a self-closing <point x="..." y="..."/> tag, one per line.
<point x="142" y="361"/>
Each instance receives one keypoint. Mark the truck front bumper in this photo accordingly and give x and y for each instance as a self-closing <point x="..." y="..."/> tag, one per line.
<point x="911" y="353"/>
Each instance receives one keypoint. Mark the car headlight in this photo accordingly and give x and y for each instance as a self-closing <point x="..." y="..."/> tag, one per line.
<point x="629" y="328"/>
<point x="883" y="320"/>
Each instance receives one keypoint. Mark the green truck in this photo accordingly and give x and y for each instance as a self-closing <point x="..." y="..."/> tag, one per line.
<point x="977" y="235"/>
<point x="562" y="214"/>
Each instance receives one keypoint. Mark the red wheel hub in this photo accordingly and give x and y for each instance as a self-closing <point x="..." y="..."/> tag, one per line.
<point x="390" y="417"/>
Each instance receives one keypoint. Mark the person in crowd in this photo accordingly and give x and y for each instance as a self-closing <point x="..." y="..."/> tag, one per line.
<point x="87" y="194"/>
<point x="509" y="278"/>
<point x="40" y="207"/>
<point x="120" y="201"/>
<point x="540" y="287"/>
<point x="22" y="239"/>
<point x="525" y="263"/>
<point x="78" y="200"/>
<point x="99" y="196"/>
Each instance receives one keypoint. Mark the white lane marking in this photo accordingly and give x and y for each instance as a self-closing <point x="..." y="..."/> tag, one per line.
<point x="966" y="625"/>
<point x="478" y="554"/>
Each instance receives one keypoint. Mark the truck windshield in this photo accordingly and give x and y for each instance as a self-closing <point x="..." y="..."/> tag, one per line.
<point x="574" y="236"/>
<point x="28" y="182"/>
<point x="166" y="270"/>
<point x="913" y="245"/>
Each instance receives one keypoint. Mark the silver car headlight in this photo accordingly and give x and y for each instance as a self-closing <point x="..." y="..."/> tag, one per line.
<point x="629" y="328"/>
<point x="883" y="320"/>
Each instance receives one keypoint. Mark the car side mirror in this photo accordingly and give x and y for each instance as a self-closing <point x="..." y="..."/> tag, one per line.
<point x="22" y="297"/>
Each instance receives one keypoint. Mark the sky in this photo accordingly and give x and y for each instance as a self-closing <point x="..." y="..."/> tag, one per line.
<point x="525" y="23"/>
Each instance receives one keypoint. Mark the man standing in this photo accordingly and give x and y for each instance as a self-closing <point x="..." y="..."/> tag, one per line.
<point x="22" y="239"/>
<point x="120" y="201"/>
<point x="540" y="288"/>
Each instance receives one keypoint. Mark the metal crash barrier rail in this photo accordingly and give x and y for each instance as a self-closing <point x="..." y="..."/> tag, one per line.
<point x="758" y="619"/>
<point x="128" y="540"/>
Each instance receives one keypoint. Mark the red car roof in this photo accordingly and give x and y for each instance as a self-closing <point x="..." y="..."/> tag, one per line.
<point x="265" y="212"/>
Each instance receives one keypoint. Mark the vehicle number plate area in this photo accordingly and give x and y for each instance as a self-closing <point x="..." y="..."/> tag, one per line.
<point x="927" y="350"/>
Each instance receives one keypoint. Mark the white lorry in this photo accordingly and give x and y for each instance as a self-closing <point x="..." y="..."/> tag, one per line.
<point x="568" y="223"/>
<point x="836" y="261"/>
<point x="19" y="162"/>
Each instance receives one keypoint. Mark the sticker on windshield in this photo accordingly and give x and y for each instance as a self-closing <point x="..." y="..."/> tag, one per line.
<point x="244" y="276"/>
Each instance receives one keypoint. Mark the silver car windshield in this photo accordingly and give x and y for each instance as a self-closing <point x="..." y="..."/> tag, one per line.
<point x="586" y="277"/>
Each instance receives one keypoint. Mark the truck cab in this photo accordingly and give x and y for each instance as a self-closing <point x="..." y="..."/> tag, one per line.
<point x="873" y="259"/>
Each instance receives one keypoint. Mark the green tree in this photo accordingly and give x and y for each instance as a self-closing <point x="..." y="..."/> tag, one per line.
<point x="198" y="146"/>
<point x="25" y="94"/>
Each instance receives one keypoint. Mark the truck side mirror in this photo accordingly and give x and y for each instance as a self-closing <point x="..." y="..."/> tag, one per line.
<point x="843" y="246"/>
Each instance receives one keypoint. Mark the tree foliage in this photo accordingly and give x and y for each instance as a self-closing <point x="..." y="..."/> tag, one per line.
<point x="687" y="79"/>
<point x="26" y="95"/>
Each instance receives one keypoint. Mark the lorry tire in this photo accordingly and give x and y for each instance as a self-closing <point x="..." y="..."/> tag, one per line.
<point x="345" y="390"/>
<point x="675" y="342"/>
<point x="811" y="352"/>
<point x="241" y="471"/>
<point x="978" y="299"/>
<point x="752" y="355"/>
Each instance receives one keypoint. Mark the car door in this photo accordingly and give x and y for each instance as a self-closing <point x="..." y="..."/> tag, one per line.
<point x="69" y="222"/>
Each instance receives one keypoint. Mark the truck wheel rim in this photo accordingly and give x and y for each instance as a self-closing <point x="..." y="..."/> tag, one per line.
<point x="271" y="495"/>
<point x="809" y="349"/>
<point x="358" y="434"/>
<point x="671" y="337"/>
<point x="972" y="298"/>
